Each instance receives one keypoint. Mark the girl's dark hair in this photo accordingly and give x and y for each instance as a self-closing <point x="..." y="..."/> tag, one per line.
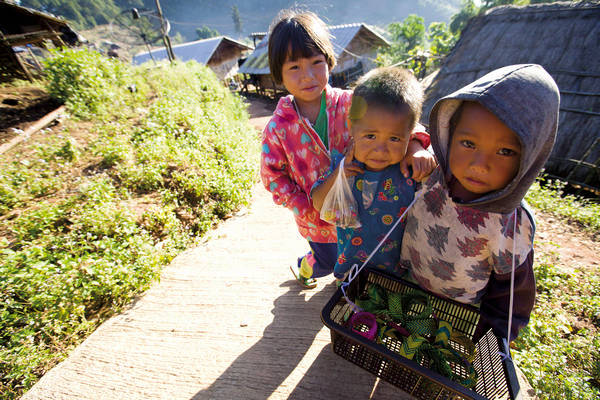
<point x="394" y="89"/>
<point x="297" y="35"/>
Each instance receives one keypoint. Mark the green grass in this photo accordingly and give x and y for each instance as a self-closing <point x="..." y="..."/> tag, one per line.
<point x="552" y="198"/>
<point x="88" y="220"/>
<point x="559" y="351"/>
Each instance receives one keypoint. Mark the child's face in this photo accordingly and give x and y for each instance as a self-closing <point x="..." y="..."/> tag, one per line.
<point x="380" y="138"/>
<point x="306" y="77"/>
<point x="484" y="153"/>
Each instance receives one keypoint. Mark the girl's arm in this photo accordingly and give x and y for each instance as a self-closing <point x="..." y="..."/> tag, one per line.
<point x="275" y="177"/>
<point x="421" y="160"/>
<point x="496" y="301"/>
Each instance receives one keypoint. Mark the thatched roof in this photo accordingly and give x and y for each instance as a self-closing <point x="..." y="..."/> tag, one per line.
<point x="563" y="38"/>
<point x="341" y="38"/>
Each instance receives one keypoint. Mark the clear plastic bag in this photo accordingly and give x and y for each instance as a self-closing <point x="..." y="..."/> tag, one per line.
<point x="339" y="207"/>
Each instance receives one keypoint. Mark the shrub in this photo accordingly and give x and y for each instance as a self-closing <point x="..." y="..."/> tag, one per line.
<point x="552" y="198"/>
<point x="74" y="258"/>
<point x="90" y="84"/>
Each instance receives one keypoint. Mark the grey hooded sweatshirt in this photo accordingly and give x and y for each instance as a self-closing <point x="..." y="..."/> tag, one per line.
<point x="526" y="99"/>
<point x="467" y="250"/>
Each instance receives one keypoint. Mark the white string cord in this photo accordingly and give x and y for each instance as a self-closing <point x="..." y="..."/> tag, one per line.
<point x="512" y="279"/>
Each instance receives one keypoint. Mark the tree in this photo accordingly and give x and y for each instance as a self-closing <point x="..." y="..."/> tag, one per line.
<point x="407" y="38"/>
<point x="237" y="21"/>
<point x="82" y="13"/>
<point x="487" y="4"/>
<point x="205" y="32"/>
<point x="411" y="31"/>
<point x="459" y="21"/>
<point x="441" y="39"/>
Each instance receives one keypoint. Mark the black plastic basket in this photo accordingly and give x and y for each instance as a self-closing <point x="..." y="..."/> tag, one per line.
<point x="496" y="377"/>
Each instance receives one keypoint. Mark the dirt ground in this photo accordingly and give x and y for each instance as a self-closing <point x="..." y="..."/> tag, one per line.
<point x="21" y="107"/>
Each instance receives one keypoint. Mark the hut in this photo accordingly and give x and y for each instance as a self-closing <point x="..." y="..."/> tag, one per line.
<point x="20" y="29"/>
<point x="355" y="47"/>
<point x="219" y="53"/>
<point x="563" y="37"/>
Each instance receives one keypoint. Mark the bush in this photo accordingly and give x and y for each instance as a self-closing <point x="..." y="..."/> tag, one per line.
<point x="90" y="84"/>
<point x="552" y="198"/>
<point x="76" y="257"/>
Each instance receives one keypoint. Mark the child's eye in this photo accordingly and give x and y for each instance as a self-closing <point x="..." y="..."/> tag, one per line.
<point x="369" y="136"/>
<point x="468" y="144"/>
<point x="395" y="139"/>
<point x="317" y="61"/>
<point x="507" y="152"/>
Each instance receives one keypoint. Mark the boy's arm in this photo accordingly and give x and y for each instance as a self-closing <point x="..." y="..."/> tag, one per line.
<point x="275" y="178"/>
<point x="322" y="187"/>
<point x="320" y="190"/>
<point x="495" y="303"/>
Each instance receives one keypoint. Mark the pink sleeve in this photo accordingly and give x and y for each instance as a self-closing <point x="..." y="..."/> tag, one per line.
<point x="275" y="177"/>
<point x="419" y="133"/>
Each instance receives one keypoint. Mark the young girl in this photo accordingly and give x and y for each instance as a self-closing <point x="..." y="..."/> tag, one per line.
<point x="385" y="108"/>
<point x="469" y="235"/>
<point x="306" y="126"/>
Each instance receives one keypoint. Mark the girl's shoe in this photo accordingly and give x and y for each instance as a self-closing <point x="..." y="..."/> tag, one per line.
<point x="306" y="283"/>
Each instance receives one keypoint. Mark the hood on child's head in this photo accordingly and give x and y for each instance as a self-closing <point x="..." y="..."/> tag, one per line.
<point x="526" y="99"/>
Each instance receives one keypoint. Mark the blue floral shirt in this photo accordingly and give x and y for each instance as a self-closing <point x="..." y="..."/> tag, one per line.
<point x="381" y="197"/>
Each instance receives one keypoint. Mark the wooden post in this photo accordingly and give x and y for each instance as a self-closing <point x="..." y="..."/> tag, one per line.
<point x="13" y="57"/>
<point x="166" y="39"/>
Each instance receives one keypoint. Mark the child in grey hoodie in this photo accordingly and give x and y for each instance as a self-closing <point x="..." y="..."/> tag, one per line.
<point x="462" y="240"/>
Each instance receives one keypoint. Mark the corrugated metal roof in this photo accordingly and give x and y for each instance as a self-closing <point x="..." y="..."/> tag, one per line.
<point x="199" y="50"/>
<point x="342" y="35"/>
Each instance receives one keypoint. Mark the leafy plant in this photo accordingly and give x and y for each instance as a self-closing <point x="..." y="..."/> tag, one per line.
<point x="551" y="197"/>
<point x="89" y="83"/>
<point x="92" y="224"/>
<point x="558" y="355"/>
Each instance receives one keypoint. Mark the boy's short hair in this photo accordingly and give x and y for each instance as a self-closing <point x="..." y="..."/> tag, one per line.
<point x="395" y="89"/>
<point x="299" y="34"/>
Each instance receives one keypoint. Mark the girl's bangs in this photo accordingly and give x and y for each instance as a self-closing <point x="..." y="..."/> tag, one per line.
<point x="301" y="46"/>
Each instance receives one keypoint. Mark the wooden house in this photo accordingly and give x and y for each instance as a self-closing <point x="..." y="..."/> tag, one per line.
<point x="355" y="47"/>
<point x="564" y="38"/>
<point x="21" y="28"/>
<point x="220" y="54"/>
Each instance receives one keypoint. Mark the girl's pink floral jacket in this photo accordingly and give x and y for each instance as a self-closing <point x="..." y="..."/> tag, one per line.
<point x="293" y="158"/>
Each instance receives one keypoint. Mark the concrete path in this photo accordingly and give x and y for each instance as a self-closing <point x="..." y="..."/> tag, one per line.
<point x="226" y="321"/>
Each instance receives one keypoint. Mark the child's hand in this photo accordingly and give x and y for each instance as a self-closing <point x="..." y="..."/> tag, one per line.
<point x="351" y="169"/>
<point x="422" y="162"/>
